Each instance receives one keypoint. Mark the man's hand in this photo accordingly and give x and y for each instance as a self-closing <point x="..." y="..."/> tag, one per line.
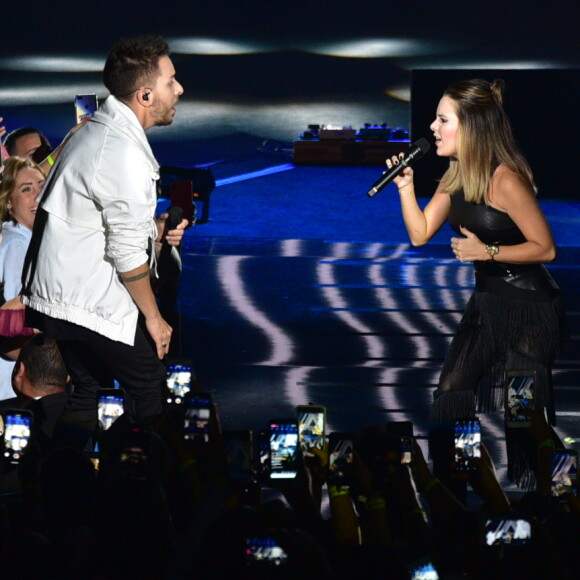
<point x="173" y="237"/>
<point x="137" y="283"/>
<point x="160" y="332"/>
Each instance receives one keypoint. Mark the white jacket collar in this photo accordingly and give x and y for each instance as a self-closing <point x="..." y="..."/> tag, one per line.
<point x="119" y="117"/>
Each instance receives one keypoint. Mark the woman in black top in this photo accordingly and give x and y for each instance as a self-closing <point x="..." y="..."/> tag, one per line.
<point x="513" y="320"/>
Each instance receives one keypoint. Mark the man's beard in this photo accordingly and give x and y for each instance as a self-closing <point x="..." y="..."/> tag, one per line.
<point x="163" y="116"/>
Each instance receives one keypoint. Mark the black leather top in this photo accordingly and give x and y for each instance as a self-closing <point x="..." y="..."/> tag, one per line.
<point x="490" y="225"/>
<point x="495" y="227"/>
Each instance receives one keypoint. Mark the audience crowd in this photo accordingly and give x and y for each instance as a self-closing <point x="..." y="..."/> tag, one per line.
<point x="152" y="503"/>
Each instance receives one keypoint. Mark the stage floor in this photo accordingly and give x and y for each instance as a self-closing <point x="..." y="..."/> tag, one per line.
<point x="360" y="327"/>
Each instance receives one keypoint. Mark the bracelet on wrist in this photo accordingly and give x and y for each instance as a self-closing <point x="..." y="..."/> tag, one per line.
<point x="50" y="160"/>
<point x="492" y="251"/>
<point x="431" y="485"/>
<point x="376" y="503"/>
<point x="338" y="490"/>
<point x="419" y="512"/>
<point x="547" y="443"/>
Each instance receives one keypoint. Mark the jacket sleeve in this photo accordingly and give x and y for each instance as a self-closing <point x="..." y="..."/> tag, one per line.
<point x="123" y="188"/>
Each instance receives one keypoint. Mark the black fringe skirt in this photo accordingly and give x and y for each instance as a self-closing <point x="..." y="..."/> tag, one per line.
<point x="513" y="330"/>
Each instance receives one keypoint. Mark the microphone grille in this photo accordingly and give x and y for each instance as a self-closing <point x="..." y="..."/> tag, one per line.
<point x="423" y="145"/>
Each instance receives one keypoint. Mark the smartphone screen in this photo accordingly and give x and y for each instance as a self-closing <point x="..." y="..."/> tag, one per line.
<point x="311" y="427"/>
<point x="519" y="397"/>
<point x="283" y="439"/>
<point x="95" y="459"/>
<point x="178" y="381"/>
<point x="110" y="407"/>
<point x="406" y="450"/>
<point x="564" y="472"/>
<point x="402" y="433"/>
<point x="340" y="458"/>
<point x="85" y="106"/>
<point x="196" y="417"/>
<point x="505" y="532"/>
<point x="17" y="429"/>
<point x="238" y="449"/>
<point x="132" y="454"/>
<point x="264" y="550"/>
<point x="467" y="443"/>
<point x="422" y="570"/>
<point x="263" y="450"/>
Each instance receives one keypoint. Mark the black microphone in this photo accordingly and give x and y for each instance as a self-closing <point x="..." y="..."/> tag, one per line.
<point x="165" y="265"/>
<point x="417" y="150"/>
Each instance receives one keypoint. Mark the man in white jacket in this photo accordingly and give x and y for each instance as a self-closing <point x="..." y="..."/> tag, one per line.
<point x="86" y="276"/>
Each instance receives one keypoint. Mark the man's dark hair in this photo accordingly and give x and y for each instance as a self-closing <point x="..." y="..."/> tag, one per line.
<point x="133" y="63"/>
<point x="13" y="136"/>
<point x="43" y="362"/>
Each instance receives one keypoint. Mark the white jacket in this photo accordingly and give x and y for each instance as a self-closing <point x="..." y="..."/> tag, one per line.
<point x="101" y="198"/>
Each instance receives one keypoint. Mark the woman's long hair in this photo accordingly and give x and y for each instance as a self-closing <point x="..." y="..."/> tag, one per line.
<point x="12" y="167"/>
<point x="485" y="140"/>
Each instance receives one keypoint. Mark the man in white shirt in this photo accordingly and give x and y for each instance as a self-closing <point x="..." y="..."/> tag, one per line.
<point x="86" y="276"/>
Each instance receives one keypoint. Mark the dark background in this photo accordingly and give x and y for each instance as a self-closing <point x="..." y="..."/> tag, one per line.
<point x="542" y="106"/>
<point x="526" y="29"/>
<point x="294" y="78"/>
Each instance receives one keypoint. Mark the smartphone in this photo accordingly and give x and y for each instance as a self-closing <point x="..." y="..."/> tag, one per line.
<point x="283" y="448"/>
<point x="17" y="429"/>
<point x="467" y="443"/>
<point x="422" y="570"/>
<point x="111" y="405"/>
<point x="196" y="416"/>
<point x="519" y="397"/>
<point x="178" y="380"/>
<point x="95" y="459"/>
<point x="263" y="454"/>
<point x="401" y="432"/>
<point x="85" y="106"/>
<point x="239" y="453"/>
<point x="264" y="550"/>
<point x="134" y="452"/>
<point x="507" y="532"/>
<point x="340" y="458"/>
<point x="311" y="427"/>
<point x="564" y="472"/>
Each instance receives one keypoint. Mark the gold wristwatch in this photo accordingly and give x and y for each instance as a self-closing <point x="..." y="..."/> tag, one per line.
<point x="492" y="250"/>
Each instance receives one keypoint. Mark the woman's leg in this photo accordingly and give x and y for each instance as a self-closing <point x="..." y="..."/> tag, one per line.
<point x="454" y="398"/>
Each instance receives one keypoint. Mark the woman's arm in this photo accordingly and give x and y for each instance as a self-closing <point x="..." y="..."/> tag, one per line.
<point x="421" y="224"/>
<point x="511" y="195"/>
<point x="11" y="266"/>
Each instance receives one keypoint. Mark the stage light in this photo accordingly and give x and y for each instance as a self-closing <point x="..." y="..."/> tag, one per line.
<point x="478" y="64"/>
<point x="237" y="292"/>
<point x="214" y="46"/>
<point x="74" y="64"/>
<point x="381" y="48"/>
<point x="400" y="92"/>
<point x="47" y="94"/>
<point x="281" y="120"/>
